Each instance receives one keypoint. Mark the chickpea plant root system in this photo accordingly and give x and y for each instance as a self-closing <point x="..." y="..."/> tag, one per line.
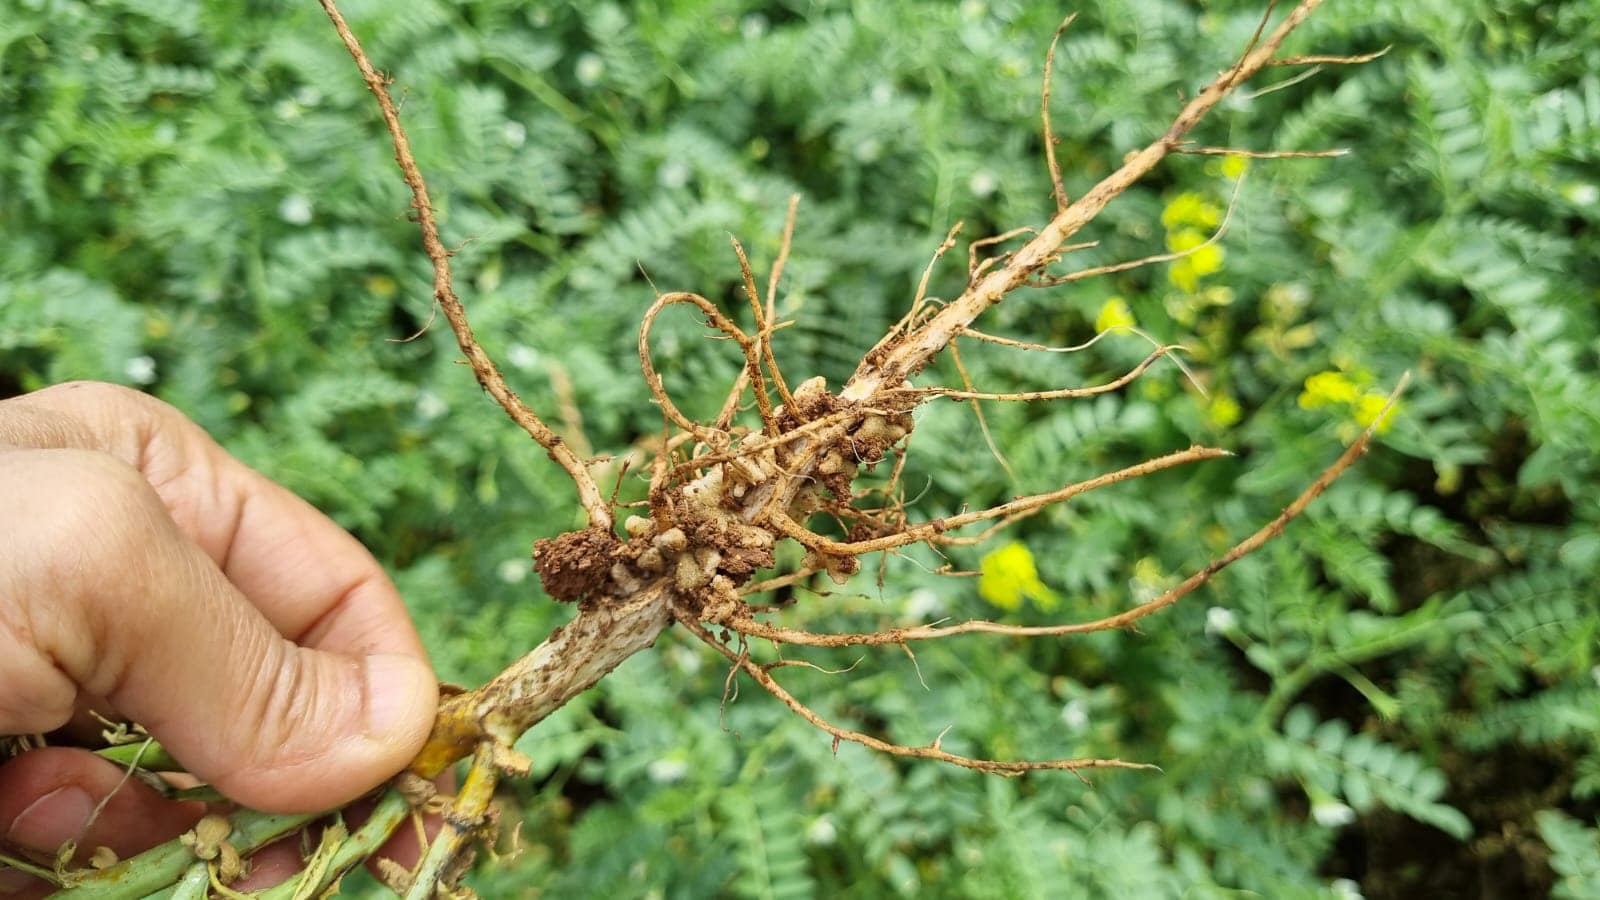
<point x="722" y="496"/>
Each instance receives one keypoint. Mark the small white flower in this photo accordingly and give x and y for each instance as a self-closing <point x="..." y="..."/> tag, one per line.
<point x="1075" y="714"/>
<point x="1346" y="889"/>
<point x="868" y="150"/>
<point x="1220" y="620"/>
<point x="687" y="661"/>
<point x="667" y="770"/>
<point x="1581" y="194"/>
<point x="1595" y="674"/>
<point x="924" y="604"/>
<point x="1332" y="814"/>
<point x="674" y="173"/>
<point x="589" y="69"/>
<point x="882" y="93"/>
<point x="513" y="571"/>
<point x="514" y="134"/>
<point x="1297" y="293"/>
<point x="983" y="183"/>
<point x="295" y="209"/>
<point x="306" y="95"/>
<point x="822" y="832"/>
<point x="522" y="356"/>
<point x="140" y="370"/>
<point x="753" y="26"/>
<point x="430" y="406"/>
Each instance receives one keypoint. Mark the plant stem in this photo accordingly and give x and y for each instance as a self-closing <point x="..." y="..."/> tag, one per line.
<point x="161" y="866"/>
<point x="391" y="810"/>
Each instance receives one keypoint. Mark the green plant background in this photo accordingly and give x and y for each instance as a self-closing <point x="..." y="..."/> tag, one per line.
<point x="1398" y="698"/>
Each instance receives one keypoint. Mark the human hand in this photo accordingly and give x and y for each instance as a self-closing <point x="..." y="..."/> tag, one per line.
<point x="147" y="575"/>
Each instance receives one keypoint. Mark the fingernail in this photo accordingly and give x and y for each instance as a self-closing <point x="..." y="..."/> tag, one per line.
<point x="398" y="688"/>
<point x="52" y="820"/>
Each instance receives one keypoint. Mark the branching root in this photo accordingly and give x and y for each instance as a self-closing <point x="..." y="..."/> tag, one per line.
<point x="780" y="463"/>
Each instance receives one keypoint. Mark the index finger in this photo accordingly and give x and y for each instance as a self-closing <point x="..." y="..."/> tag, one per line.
<point x="311" y="579"/>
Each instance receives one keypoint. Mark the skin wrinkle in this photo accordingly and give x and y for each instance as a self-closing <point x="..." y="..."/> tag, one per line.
<point x="81" y="528"/>
<point x="97" y="428"/>
<point x="214" y="608"/>
<point x="338" y="616"/>
<point x="287" y="550"/>
<point x="264" y="685"/>
<point x="198" y="491"/>
<point x="241" y="508"/>
<point x="44" y="700"/>
<point x="42" y="428"/>
<point x="168" y="480"/>
<point x="184" y="722"/>
<point x="277" y="701"/>
<point x="185" y="474"/>
<point x="138" y="515"/>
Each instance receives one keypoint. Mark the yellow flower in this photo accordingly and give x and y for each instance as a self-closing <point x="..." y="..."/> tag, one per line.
<point x="1235" y="165"/>
<point x="1223" y="411"/>
<point x="1369" y="407"/>
<point x="1008" y="576"/>
<point x="1207" y="259"/>
<point x="1183" y="276"/>
<point x="1202" y="259"/>
<point x="1114" y="314"/>
<point x="381" y="285"/>
<point x="1333" y="388"/>
<point x="1180" y="240"/>
<point x="1190" y="208"/>
<point x="1325" y="388"/>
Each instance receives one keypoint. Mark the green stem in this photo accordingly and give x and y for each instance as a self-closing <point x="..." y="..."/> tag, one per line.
<point x="22" y="865"/>
<point x="205" y="793"/>
<point x="194" y="885"/>
<point x="476" y="792"/>
<point x="161" y="866"/>
<point x="146" y="755"/>
<point x="391" y="810"/>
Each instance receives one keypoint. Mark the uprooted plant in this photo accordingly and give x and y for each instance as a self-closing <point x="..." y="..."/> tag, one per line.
<point x="777" y="458"/>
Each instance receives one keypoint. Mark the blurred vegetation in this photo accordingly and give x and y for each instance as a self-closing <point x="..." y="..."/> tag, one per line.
<point x="1396" y="699"/>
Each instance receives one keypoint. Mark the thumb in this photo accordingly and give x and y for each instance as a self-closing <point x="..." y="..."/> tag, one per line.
<point x="106" y="596"/>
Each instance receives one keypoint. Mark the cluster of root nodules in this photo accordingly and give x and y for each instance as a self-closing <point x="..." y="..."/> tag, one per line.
<point x="717" y="512"/>
<point x="723" y="494"/>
